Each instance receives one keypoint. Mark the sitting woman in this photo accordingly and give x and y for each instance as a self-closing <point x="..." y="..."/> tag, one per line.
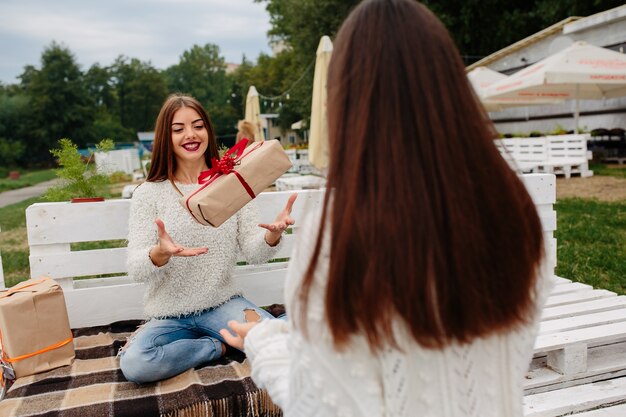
<point x="187" y="268"/>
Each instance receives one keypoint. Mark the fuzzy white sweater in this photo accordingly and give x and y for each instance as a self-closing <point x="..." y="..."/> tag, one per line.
<point x="310" y="378"/>
<point x="187" y="285"/>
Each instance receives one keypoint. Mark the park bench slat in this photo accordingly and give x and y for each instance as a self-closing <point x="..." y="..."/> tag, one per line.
<point x="591" y="335"/>
<point x="578" y="322"/>
<point x="570" y="287"/>
<point x="587" y="307"/>
<point x="615" y="411"/>
<point x="577" y="296"/>
<point x="575" y="399"/>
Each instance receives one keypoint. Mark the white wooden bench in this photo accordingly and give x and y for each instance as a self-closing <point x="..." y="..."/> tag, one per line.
<point x="581" y="342"/>
<point x="561" y="155"/>
<point x="54" y="227"/>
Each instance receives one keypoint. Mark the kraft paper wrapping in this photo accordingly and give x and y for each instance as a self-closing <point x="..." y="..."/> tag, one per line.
<point x="260" y="165"/>
<point x="33" y="318"/>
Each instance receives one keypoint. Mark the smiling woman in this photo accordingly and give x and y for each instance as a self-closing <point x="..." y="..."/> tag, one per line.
<point x="187" y="267"/>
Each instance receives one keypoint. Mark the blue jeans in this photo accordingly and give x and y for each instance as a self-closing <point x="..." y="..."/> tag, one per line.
<point x="163" y="348"/>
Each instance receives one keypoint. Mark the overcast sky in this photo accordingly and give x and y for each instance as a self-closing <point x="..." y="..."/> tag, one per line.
<point x="158" y="31"/>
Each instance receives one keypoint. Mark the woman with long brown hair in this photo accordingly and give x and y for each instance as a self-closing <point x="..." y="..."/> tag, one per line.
<point x="419" y="294"/>
<point x="187" y="268"/>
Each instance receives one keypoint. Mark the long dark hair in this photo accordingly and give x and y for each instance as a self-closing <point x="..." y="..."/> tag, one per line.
<point x="163" y="162"/>
<point x="428" y="224"/>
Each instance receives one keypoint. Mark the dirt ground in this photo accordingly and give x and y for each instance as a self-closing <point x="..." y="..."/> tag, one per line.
<point x="600" y="187"/>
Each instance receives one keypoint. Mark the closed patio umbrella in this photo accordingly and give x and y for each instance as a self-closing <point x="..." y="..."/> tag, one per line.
<point x="581" y="71"/>
<point x="318" y="139"/>
<point x="253" y="112"/>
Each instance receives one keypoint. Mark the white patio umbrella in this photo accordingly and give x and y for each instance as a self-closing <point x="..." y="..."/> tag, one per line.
<point x="318" y="139"/>
<point x="581" y="71"/>
<point x="253" y="112"/>
<point x="483" y="77"/>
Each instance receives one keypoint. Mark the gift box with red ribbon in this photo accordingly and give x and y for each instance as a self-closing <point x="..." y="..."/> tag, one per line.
<point x="233" y="181"/>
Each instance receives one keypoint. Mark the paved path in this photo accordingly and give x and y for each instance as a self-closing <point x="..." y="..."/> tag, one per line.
<point x="15" y="196"/>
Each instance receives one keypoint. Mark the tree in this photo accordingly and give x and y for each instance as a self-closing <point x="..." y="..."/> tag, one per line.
<point x="201" y="73"/>
<point x="60" y="105"/>
<point x="141" y="90"/>
<point x="481" y="27"/>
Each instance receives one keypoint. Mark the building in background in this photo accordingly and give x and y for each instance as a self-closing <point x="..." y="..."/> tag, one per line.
<point x="606" y="29"/>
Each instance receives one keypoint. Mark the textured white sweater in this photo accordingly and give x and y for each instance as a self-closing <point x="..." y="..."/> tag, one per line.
<point x="187" y="285"/>
<point x="310" y="378"/>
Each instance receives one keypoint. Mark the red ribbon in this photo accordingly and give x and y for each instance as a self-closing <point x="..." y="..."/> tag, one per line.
<point x="226" y="166"/>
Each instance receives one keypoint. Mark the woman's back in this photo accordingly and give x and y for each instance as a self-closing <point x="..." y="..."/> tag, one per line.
<point x="482" y="378"/>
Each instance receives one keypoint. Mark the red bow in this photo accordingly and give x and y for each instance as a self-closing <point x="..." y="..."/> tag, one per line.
<point x="225" y="164"/>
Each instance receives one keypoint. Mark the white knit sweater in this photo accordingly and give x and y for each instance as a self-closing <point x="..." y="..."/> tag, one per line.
<point x="309" y="378"/>
<point x="187" y="285"/>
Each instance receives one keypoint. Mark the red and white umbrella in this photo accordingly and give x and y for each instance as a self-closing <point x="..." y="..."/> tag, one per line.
<point x="482" y="78"/>
<point x="581" y="71"/>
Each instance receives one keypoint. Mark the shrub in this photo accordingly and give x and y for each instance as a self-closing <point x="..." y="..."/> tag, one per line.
<point x="78" y="179"/>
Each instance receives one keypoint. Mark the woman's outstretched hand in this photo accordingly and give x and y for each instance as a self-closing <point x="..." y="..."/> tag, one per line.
<point x="161" y="253"/>
<point x="282" y="222"/>
<point x="241" y="331"/>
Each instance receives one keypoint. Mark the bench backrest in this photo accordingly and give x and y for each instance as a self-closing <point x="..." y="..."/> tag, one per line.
<point x="567" y="146"/>
<point x="55" y="228"/>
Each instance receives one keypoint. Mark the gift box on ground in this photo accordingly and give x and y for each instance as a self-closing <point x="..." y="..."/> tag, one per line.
<point x="235" y="180"/>
<point x="35" y="333"/>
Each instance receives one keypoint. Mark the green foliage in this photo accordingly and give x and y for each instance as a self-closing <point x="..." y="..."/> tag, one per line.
<point x="605" y="170"/>
<point x="201" y="73"/>
<point x="14" y="216"/>
<point x="591" y="237"/>
<point x="11" y="152"/>
<point x="60" y="105"/>
<point x="27" y="178"/>
<point x="79" y="179"/>
<point x="140" y="90"/>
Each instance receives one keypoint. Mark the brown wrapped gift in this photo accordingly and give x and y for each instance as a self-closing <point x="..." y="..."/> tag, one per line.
<point x="36" y="333"/>
<point x="235" y="180"/>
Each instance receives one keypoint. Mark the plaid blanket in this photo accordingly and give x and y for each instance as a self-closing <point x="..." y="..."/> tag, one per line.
<point x="94" y="386"/>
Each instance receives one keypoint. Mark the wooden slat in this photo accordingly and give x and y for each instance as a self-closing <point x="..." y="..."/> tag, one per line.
<point x="271" y="203"/>
<point x="49" y="223"/>
<point x="560" y="280"/>
<point x="577" y="297"/>
<point x="570" y="287"/>
<point x="102" y="305"/>
<point x="588" y="307"/>
<point x="605" y="333"/>
<point x="579" y="322"/>
<point x="541" y="188"/>
<point x="575" y="399"/>
<point x="79" y="263"/>
<point x="615" y="411"/>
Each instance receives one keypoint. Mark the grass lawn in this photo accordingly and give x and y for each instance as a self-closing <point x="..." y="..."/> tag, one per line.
<point x="611" y="171"/>
<point x="27" y="178"/>
<point x="591" y="242"/>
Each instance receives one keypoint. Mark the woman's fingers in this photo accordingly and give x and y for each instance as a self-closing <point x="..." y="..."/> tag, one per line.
<point x="240" y="330"/>
<point x="290" y="201"/>
<point x="182" y="251"/>
<point x="274" y="227"/>
<point x="234" y="341"/>
<point x="160" y="227"/>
